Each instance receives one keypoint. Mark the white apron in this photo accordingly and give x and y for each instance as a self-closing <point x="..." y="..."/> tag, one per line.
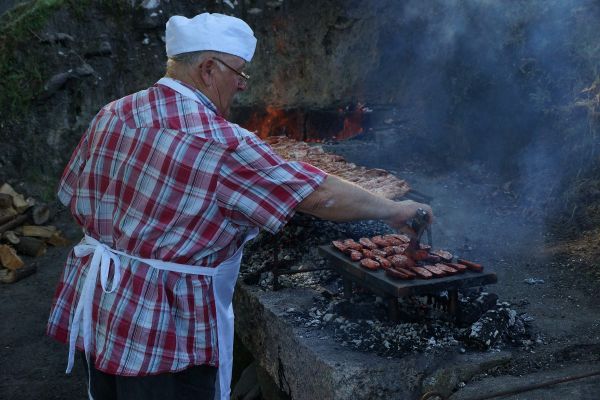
<point x="224" y="279"/>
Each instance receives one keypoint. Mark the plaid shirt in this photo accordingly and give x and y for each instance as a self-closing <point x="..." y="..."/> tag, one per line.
<point x="159" y="175"/>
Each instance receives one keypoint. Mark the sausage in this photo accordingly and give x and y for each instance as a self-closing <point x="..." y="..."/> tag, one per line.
<point x="366" y="242"/>
<point x="443" y="254"/>
<point x="369" y="264"/>
<point x="379" y="253"/>
<point x="422" y="272"/>
<point x="391" y="250"/>
<point x="434" y="270"/>
<point x="383" y="262"/>
<point x="351" y="244"/>
<point x="380" y="241"/>
<point x="432" y="259"/>
<point x="395" y="274"/>
<point x="393" y="241"/>
<point x="446" y="268"/>
<point x="407" y="271"/>
<point x="400" y="261"/>
<point x="400" y="236"/>
<point x="470" y="265"/>
<point x="367" y="253"/>
<point x="340" y="246"/>
<point x="355" y="255"/>
<point x="458" y="267"/>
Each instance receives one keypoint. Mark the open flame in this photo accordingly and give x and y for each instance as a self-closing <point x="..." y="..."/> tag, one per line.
<point x="308" y="126"/>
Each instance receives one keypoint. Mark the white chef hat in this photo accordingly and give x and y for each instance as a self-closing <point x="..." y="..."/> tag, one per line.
<point x="207" y="31"/>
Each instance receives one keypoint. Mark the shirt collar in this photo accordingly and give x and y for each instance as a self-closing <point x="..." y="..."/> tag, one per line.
<point x="188" y="91"/>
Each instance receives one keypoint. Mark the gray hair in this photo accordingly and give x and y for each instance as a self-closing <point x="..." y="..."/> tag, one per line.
<point x="193" y="58"/>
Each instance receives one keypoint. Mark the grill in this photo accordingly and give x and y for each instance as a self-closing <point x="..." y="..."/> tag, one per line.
<point x="391" y="289"/>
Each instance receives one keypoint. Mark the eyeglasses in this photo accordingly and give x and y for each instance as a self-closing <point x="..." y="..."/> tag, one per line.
<point x="239" y="73"/>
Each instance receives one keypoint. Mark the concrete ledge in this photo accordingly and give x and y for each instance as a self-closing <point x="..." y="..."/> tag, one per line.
<point x="307" y="363"/>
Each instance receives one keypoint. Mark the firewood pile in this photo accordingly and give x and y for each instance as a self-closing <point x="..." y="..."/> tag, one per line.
<point x="24" y="231"/>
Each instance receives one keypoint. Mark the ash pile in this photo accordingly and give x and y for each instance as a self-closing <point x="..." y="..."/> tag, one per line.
<point x="290" y="259"/>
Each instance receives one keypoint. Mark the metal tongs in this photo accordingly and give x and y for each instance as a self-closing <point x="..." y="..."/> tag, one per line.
<point x="419" y="224"/>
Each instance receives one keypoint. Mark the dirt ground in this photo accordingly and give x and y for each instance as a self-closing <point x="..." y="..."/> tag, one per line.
<point x="470" y="215"/>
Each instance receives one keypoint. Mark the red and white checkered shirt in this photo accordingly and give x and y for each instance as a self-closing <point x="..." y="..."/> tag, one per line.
<point x="158" y="175"/>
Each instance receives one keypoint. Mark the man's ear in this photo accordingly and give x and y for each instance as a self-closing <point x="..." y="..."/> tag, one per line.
<point x="207" y="70"/>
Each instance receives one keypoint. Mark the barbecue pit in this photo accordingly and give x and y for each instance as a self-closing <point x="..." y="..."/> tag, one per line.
<point x="390" y="289"/>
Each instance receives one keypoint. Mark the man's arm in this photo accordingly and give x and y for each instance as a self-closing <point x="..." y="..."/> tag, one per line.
<point x="340" y="200"/>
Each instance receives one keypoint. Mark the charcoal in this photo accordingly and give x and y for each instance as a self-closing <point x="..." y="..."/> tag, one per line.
<point x="490" y="328"/>
<point x="471" y="309"/>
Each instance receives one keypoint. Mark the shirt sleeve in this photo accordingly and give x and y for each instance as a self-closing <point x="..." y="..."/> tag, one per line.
<point x="257" y="187"/>
<point x="70" y="177"/>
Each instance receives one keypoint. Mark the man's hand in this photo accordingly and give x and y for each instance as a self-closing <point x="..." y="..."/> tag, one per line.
<point x="404" y="211"/>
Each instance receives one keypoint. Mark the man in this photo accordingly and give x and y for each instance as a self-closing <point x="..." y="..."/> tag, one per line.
<point x="167" y="192"/>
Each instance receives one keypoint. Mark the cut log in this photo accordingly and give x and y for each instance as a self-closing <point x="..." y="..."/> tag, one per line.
<point x="9" y="258"/>
<point x="57" y="239"/>
<point x="6" y="214"/>
<point x="11" y="237"/>
<point x="5" y="200"/>
<point x="45" y="231"/>
<point x="14" y="222"/>
<point x="19" y="202"/>
<point x="10" y="276"/>
<point x="40" y="214"/>
<point x="30" y="246"/>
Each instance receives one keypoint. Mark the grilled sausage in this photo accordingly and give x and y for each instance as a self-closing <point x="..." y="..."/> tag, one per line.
<point x="391" y="250"/>
<point x="443" y="254"/>
<point x="458" y="267"/>
<point x="446" y="268"/>
<point x="470" y="265"/>
<point x="383" y="262"/>
<point x="380" y="241"/>
<point x="400" y="236"/>
<point x="340" y="246"/>
<point x="367" y="253"/>
<point x="369" y="264"/>
<point x="355" y="255"/>
<point x="407" y="271"/>
<point x="400" y="261"/>
<point x="395" y="274"/>
<point x="434" y="270"/>
<point x="393" y="241"/>
<point x="351" y="244"/>
<point x="422" y="272"/>
<point x="366" y="242"/>
<point x="379" y="253"/>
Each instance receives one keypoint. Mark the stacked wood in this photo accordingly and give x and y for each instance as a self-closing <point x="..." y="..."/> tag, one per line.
<point x="24" y="231"/>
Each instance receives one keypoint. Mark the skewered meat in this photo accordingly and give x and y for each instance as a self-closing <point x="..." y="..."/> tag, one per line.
<point x="377" y="181"/>
<point x="395" y="274"/>
<point x="366" y="242"/>
<point x="422" y="272"/>
<point x="443" y="254"/>
<point x="471" y="265"/>
<point x="437" y="272"/>
<point x="369" y="264"/>
<point x="400" y="261"/>
<point x="458" y="267"/>
<point x="446" y="268"/>
<point x="383" y="262"/>
<point x="355" y="255"/>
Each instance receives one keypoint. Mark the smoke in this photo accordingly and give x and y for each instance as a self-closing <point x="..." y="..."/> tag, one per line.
<point x="495" y="82"/>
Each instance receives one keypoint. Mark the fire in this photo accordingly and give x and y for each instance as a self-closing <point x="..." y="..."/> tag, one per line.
<point x="306" y="126"/>
<point x="275" y="122"/>
<point x="352" y="122"/>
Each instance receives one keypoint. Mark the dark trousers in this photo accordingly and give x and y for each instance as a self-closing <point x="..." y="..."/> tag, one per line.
<point x="197" y="383"/>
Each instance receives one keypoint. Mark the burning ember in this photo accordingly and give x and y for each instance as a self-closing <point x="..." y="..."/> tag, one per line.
<point x="308" y="126"/>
